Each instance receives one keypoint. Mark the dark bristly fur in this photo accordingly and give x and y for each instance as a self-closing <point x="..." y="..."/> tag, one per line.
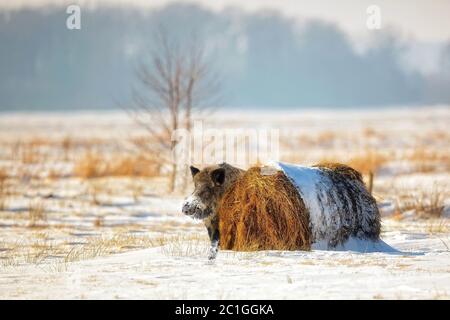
<point x="342" y="169"/>
<point x="355" y="206"/>
<point x="253" y="211"/>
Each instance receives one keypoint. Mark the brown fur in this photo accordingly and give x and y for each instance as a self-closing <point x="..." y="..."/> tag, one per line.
<point x="263" y="212"/>
<point x="210" y="192"/>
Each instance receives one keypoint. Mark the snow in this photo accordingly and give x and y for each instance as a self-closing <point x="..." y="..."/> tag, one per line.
<point x="419" y="271"/>
<point x="356" y="245"/>
<point x="307" y="180"/>
<point x="412" y="261"/>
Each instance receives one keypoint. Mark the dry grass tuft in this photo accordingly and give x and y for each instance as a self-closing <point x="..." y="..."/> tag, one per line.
<point x="427" y="160"/>
<point x="135" y="166"/>
<point x="57" y="255"/>
<point x="326" y="137"/>
<point x="66" y="145"/>
<point x="106" y="245"/>
<point x="90" y="165"/>
<point x="263" y="212"/>
<point x="99" y="222"/>
<point x="424" y="154"/>
<point x="3" y="202"/>
<point x="36" y="212"/>
<point x="136" y="189"/>
<point x="370" y="132"/>
<point x="189" y="245"/>
<point x="367" y="162"/>
<point x="438" y="226"/>
<point x="94" y="165"/>
<point x="3" y="177"/>
<point x="95" y="189"/>
<point x="426" y="203"/>
<point x="430" y="203"/>
<point x="30" y="152"/>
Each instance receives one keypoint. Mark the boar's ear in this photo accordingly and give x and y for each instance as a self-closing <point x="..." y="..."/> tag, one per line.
<point x="194" y="171"/>
<point x="218" y="176"/>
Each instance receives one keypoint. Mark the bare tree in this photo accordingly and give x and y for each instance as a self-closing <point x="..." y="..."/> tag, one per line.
<point x="174" y="83"/>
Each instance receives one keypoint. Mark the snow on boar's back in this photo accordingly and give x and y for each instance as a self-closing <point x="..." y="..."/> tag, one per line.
<point x="297" y="206"/>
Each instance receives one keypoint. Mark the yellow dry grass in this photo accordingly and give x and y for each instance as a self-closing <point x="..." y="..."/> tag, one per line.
<point x="36" y="212"/>
<point x="263" y="212"/>
<point x="426" y="203"/>
<point x="3" y="177"/>
<point x="369" y="161"/>
<point x="55" y="255"/>
<point x="363" y="162"/>
<point x="429" y="160"/>
<point x="95" y="165"/>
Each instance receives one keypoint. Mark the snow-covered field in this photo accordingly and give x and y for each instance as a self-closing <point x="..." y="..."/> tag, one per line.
<point x="66" y="235"/>
<point x="419" y="270"/>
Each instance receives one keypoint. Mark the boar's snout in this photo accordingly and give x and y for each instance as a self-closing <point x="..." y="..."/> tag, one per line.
<point x="193" y="207"/>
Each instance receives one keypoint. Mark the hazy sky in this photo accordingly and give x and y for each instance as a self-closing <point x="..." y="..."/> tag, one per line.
<point x="422" y="19"/>
<point x="266" y="60"/>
